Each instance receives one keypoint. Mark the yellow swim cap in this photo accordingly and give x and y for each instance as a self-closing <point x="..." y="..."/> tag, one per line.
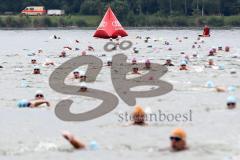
<point x="180" y="133"/>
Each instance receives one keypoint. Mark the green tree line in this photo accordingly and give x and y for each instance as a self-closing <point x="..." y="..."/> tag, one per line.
<point x="164" y="7"/>
<point x="134" y="13"/>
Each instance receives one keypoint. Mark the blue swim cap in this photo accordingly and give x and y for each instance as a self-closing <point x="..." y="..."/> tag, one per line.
<point x="221" y="67"/>
<point x="93" y="145"/>
<point x="183" y="62"/>
<point x="232" y="88"/>
<point x="23" y="103"/>
<point x="231" y="99"/>
<point x="210" y="84"/>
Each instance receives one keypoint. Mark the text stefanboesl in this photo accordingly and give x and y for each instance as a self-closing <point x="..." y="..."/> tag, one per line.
<point x="159" y="116"/>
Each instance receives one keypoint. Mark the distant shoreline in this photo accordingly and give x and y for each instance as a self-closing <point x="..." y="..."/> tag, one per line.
<point x="90" y="22"/>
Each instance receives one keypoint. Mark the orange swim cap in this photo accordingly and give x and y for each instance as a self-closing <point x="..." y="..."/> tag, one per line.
<point x="180" y="133"/>
<point x="138" y="110"/>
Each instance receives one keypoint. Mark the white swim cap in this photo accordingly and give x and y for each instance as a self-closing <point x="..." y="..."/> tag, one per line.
<point x="76" y="70"/>
<point x="83" y="85"/>
<point x="82" y="73"/>
<point x="168" y="58"/>
<point x="36" y="67"/>
<point x="38" y="92"/>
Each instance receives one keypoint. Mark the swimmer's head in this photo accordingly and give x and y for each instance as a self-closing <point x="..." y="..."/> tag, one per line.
<point x="195" y="55"/>
<point x="39" y="95"/>
<point x="231" y="102"/>
<point x="168" y="59"/>
<point x="227" y="49"/>
<point x="182" y="52"/>
<point x="83" y="87"/>
<point x="210" y="61"/>
<point x="36" y="70"/>
<point x="84" y="53"/>
<point x="148" y="64"/>
<point x="118" y="37"/>
<point x="178" y="139"/>
<point x="134" y="61"/>
<point x="183" y="65"/>
<point x="138" y="115"/>
<point x="33" y="61"/>
<point x="109" y="62"/>
<point x="76" y="74"/>
<point x="83" y="76"/>
<point x="135" y="69"/>
<point x="211" y="53"/>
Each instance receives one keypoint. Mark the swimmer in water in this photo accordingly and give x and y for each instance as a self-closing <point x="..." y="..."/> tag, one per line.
<point x="83" y="87"/>
<point x="36" y="70"/>
<point x="178" y="139"/>
<point x="63" y="54"/>
<point x="210" y="63"/>
<point x="147" y="64"/>
<point x="33" y="61"/>
<point x="168" y="62"/>
<point x="211" y="53"/>
<point x="214" y="50"/>
<point x="227" y="49"/>
<point x="40" y="51"/>
<point x="134" y="61"/>
<point x="32" y="103"/>
<point x="138" y="116"/>
<point x="76" y="143"/>
<point x="39" y="95"/>
<point x="135" y="70"/>
<point x="84" y="53"/>
<point x="109" y="62"/>
<point x="83" y="76"/>
<point x="90" y="48"/>
<point x="231" y="102"/>
<point x="49" y="62"/>
<point x="76" y="74"/>
<point x="183" y="66"/>
<point x="135" y="50"/>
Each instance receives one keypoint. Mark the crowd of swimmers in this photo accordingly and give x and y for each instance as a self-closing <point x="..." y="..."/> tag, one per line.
<point x="178" y="136"/>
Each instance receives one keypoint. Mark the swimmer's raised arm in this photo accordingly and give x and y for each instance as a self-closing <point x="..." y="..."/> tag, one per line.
<point x="76" y="143"/>
<point x="36" y="103"/>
